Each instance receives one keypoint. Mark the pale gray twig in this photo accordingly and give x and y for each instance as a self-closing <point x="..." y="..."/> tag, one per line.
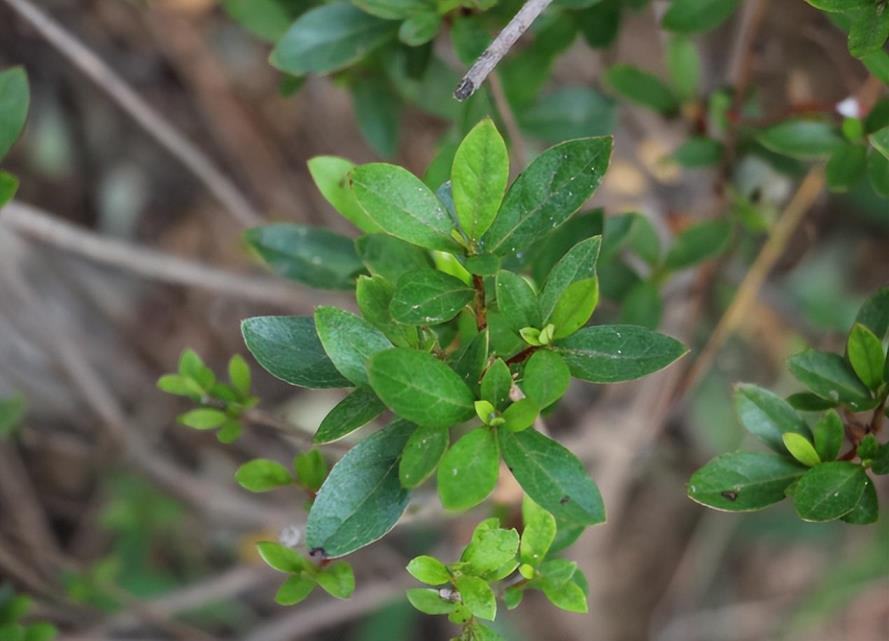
<point x="501" y="45"/>
<point x="223" y="189"/>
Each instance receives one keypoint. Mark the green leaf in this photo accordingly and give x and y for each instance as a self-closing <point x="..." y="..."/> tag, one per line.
<point x="847" y="165"/>
<point x="539" y="533"/>
<point x="477" y="595"/>
<point x="496" y="384"/>
<point x="880" y="141"/>
<point x="568" y="596"/>
<point x="614" y="353"/>
<point x="349" y="341"/>
<point x="419" y="28"/>
<point x="262" y="475"/>
<point x="41" y="631"/>
<point x="428" y="601"/>
<point x="767" y="416"/>
<point x="552" y="476"/>
<point x="684" y="64"/>
<point x="239" y="374"/>
<point x="520" y="415"/>
<point x="288" y="348"/>
<point x="700" y="242"/>
<point x="867" y="510"/>
<point x="546" y="378"/>
<point x="362" y="499"/>
<point x="203" y="419"/>
<point x="517" y="301"/>
<point x="694" y="16"/>
<point x="874" y="313"/>
<point x="317" y="257"/>
<point x="878" y="173"/>
<point x="868" y="30"/>
<point x="403" y="206"/>
<point x="429" y="297"/>
<point x="468" y="472"/>
<point x="866" y="355"/>
<point x="641" y="88"/>
<point x="421" y="455"/>
<point x="569" y="112"/>
<point x="808" y="402"/>
<point x="478" y="178"/>
<point x="9" y="185"/>
<point x="337" y="579"/>
<point x="801" y="449"/>
<point x="429" y="570"/>
<point x="329" y="38"/>
<point x="266" y="19"/>
<point x="282" y="558"/>
<point x="578" y="265"/>
<point x="470" y="360"/>
<point x="377" y="108"/>
<point x="331" y="176"/>
<point x="575" y="307"/>
<point x="829" y="376"/>
<point x="391" y="9"/>
<point x="374" y="295"/>
<point x="829" y="433"/>
<point x="295" y="590"/>
<point x="14" y="100"/>
<point x="191" y="366"/>
<point x="642" y="306"/>
<point x="840" y="6"/>
<point x="310" y="468"/>
<point x="828" y="491"/>
<point x="880" y="463"/>
<point x="417" y="386"/>
<point x="801" y="139"/>
<point x="547" y="193"/>
<point x="743" y="481"/>
<point x="699" y="151"/>
<point x="389" y="257"/>
<point x="491" y="549"/>
<point x="12" y="411"/>
<point x="358" y="409"/>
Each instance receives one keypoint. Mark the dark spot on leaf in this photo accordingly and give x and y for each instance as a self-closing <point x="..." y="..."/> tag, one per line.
<point x="564" y="500"/>
<point x="317" y="552"/>
<point x="731" y="495"/>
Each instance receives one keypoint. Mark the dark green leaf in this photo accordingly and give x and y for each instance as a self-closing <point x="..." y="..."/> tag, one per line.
<point x="829" y="434"/>
<point x="349" y="341"/>
<point x="868" y="30"/>
<point x="517" y="301"/>
<point x="867" y="510"/>
<point x="288" y="348"/>
<point x="359" y="408"/>
<point x="699" y="151"/>
<point x="419" y="28"/>
<point x="847" y="165"/>
<point x="262" y="475"/>
<point x="828" y="491"/>
<point x="496" y="384"/>
<point x="429" y="297"/>
<point x="552" y="476"/>
<point x="420" y="388"/>
<point x="14" y="100"/>
<point x="546" y="378"/>
<point x="694" y="16"/>
<point x="874" y="314"/>
<point x="403" y="206"/>
<point x="389" y="257"/>
<point x="878" y="173"/>
<point x="866" y="355"/>
<point x="830" y="377"/>
<point x="808" y="402"/>
<point x="421" y="455"/>
<point x="880" y="141"/>
<point x="579" y="264"/>
<point x="471" y="360"/>
<point x="266" y="19"/>
<point x="642" y="88"/>
<point x="547" y="193"/>
<point x="801" y="139"/>
<point x="391" y="9"/>
<point x="329" y="38"/>
<point x="374" y="295"/>
<point x="316" y="257"/>
<point x="569" y="112"/>
<point x="743" y="481"/>
<point x="614" y="353"/>
<point x="12" y="411"/>
<point x="767" y="416"/>
<point x="378" y="110"/>
<point x="700" y="242"/>
<point x="880" y="464"/>
<point x="362" y="498"/>
<point x="642" y="306"/>
<point x="478" y="178"/>
<point x="600" y="23"/>
<point x="468" y="472"/>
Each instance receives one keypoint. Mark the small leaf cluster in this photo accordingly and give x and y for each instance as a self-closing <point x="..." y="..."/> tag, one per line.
<point x="467" y="590"/>
<point x="221" y="405"/>
<point x="15" y="97"/>
<point x="262" y="475"/>
<point x="824" y="483"/>
<point x="13" y="608"/>
<point x="337" y="578"/>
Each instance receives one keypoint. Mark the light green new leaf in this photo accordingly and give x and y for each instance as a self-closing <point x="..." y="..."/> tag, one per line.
<point x="539" y="533"/>
<point x="422" y="455"/>
<point x="282" y="558"/>
<point x="830" y="377"/>
<point x="547" y="193"/>
<point x="429" y="297"/>
<point x="614" y="353"/>
<point x="403" y="206"/>
<point x="828" y="491"/>
<point x="694" y="16"/>
<point x="310" y="468"/>
<point x="349" y="341"/>
<point x="328" y="38"/>
<point x="767" y="416"/>
<point x="420" y="388"/>
<point x="362" y="499"/>
<point x="478" y="178"/>
<point x="9" y="185"/>
<point x="262" y="475"/>
<point x="866" y="355"/>
<point x="520" y="415"/>
<point x="575" y="307"/>
<point x="491" y="549"/>
<point x="295" y="590"/>
<point x="567" y="596"/>
<point x="546" y="378"/>
<point x="337" y="579"/>
<point x="684" y="64"/>
<point x="642" y="88"/>
<point x="801" y="449"/>
<point x="468" y="472"/>
<point x="700" y="242"/>
<point x="358" y="409"/>
<point x="14" y="100"/>
<point x="429" y="570"/>
<point x="743" y="481"/>
<point x="552" y="476"/>
<point x="204" y="418"/>
<point x="478" y="596"/>
<point x="239" y="374"/>
<point x="331" y="176"/>
<point x="828" y="435"/>
<point x="578" y="265"/>
<point x="317" y="257"/>
<point x="428" y="601"/>
<point x="801" y="139"/>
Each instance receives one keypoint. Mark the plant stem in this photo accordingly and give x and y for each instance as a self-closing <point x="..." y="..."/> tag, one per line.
<point x="522" y="356"/>
<point x="481" y="314"/>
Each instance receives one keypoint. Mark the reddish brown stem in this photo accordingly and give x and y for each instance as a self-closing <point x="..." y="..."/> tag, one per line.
<point x="481" y="318"/>
<point x="522" y="356"/>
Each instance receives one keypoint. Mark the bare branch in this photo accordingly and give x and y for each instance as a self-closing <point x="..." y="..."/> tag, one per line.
<point x="223" y="189"/>
<point x="35" y="223"/>
<point x="501" y="45"/>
